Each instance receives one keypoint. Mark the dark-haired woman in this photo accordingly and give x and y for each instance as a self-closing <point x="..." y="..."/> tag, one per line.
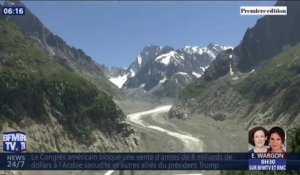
<point x="257" y="138"/>
<point x="276" y="140"/>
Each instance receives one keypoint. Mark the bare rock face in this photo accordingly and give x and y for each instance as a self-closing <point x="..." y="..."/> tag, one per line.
<point x="253" y="83"/>
<point x="223" y="102"/>
<point x="179" y="110"/>
<point x="58" y="109"/>
<point x="71" y="58"/>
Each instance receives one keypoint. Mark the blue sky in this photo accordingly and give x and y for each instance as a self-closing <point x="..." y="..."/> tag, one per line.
<point x="114" y="32"/>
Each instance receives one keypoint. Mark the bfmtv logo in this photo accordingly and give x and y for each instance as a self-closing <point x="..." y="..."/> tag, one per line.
<point x="14" y="141"/>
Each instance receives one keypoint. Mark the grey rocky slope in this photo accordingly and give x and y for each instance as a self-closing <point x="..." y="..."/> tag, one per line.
<point x="71" y="58"/>
<point x="57" y="108"/>
<point x="250" y="83"/>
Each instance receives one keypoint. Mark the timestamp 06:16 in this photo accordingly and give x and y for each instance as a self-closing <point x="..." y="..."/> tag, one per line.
<point x="11" y="11"/>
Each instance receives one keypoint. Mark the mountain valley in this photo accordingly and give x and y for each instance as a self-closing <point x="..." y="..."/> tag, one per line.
<point x="190" y="99"/>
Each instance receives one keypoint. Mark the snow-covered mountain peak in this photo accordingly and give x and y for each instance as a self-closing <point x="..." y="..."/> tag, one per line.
<point x="149" y="53"/>
<point x="212" y="50"/>
<point x="223" y="47"/>
<point x="168" y="57"/>
<point x="157" y="68"/>
<point x="195" y="50"/>
<point x="215" y="48"/>
<point x="154" y="49"/>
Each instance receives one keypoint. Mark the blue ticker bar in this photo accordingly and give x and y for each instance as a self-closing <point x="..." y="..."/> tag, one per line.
<point x="132" y="161"/>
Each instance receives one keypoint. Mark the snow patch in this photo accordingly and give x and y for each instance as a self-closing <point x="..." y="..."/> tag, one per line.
<point x="52" y="52"/>
<point x="203" y="68"/>
<point x="231" y="72"/>
<point x="195" y="49"/>
<point x="211" y="54"/>
<point x="186" y="76"/>
<point x="162" y="80"/>
<point x="142" y="85"/>
<point x="119" y="81"/>
<point x="182" y="73"/>
<point x="199" y="50"/>
<point x="226" y="47"/>
<point x="166" y="58"/>
<point x="235" y="78"/>
<point x="132" y="73"/>
<point x="139" y="59"/>
<point x="196" y="74"/>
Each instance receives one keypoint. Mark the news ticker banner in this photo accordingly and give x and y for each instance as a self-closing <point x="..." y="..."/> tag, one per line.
<point x="147" y="161"/>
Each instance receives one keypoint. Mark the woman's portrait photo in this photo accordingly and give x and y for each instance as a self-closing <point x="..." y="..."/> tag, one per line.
<point x="276" y="140"/>
<point x="258" y="140"/>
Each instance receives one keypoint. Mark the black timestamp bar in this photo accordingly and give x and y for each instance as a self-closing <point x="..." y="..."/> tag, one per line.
<point x="12" y="11"/>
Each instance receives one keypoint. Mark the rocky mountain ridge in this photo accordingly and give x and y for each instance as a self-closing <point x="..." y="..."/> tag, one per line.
<point x="40" y="96"/>
<point x="71" y="58"/>
<point x="163" y="71"/>
<point x="249" y="83"/>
